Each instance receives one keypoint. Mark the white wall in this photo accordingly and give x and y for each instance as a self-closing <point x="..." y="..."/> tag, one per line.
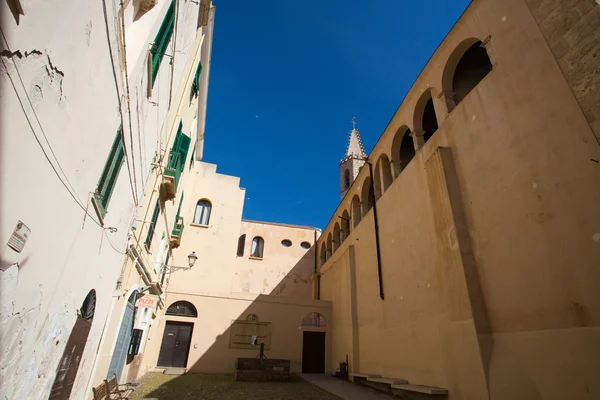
<point x="66" y="72"/>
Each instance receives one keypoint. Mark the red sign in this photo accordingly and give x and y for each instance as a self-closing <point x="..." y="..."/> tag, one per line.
<point x="147" y="301"/>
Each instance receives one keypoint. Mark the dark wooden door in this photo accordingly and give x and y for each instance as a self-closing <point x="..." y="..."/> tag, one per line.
<point x="313" y="353"/>
<point x="69" y="363"/>
<point x="175" y="345"/>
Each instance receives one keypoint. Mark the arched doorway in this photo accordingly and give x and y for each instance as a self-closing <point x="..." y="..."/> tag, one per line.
<point x="177" y="337"/>
<point x="313" y="344"/>
<point x="119" y="355"/>
<point x="69" y="362"/>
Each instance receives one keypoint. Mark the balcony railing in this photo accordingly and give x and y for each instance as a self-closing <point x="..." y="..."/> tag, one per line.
<point x="172" y="174"/>
<point x="177" y="232"/>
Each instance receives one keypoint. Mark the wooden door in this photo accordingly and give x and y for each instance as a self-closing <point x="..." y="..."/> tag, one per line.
<point x="313" y="353"/>
<point x="117" y="362"/>
<point x="175" y="345"/>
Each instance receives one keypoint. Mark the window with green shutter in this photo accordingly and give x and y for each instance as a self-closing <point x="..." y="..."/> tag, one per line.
<point x="152" y="226"/>
<point x="196" y="81"/>
<point x="108" y="179"/>
<point x="161" y="42"/>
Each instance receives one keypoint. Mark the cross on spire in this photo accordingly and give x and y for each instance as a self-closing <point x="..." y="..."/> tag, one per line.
<point x="353" y="123"/>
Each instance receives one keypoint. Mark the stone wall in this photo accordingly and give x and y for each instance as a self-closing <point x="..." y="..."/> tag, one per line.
<point x="254" y="369"/>
<point x="572" y="30"/>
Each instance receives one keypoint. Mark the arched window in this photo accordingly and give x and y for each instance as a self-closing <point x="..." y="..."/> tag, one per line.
<point x="182" y="309"/>
<point x="252" y="317"/>
<point x="88" y="307"/>
<point x="366" y="196"/>
<point x="383" y="174"/>
<point x="425" y="120"/>
<point x="241" y="245"/>
<point x="345" y="225"/>
<point x="258" y="245"/>
<point x="346" y="179"/>
<point x="468" y="70"/>
<point x="314" y="319"/>
<point x="323" y="253"/>
<point x="403" y="150"/>
<point x="329" y="245"/>
<point x="202" y="215"/>
<point x="356" y="214"/>
<point x="337" y="239"/>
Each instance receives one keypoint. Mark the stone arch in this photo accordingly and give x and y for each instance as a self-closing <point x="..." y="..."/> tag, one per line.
<point x="383" y="175"/>
<point x="468" y="64"/>
<point x="323" y="253"/>
<point x="337" y="239"/>
<point x="403" y="149"/>
<point x="329" y="245"/>
<point x="345" y="225"/>
<point x="182" y="309"/>
<point x="425" y="120"/>
<point x="366" y="196"/>
<point x="356" y="213"/>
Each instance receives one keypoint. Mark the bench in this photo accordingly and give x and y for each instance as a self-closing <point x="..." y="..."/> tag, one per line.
<point x="418" y="392"/>
<point x="111" y="390"/>
<point x="357" y="376"/>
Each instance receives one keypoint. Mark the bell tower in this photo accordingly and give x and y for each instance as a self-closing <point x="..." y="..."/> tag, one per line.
<point x="354" y="159"/>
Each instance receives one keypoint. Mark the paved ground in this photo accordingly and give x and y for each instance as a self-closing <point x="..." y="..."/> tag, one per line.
<point x="223" y="387"/>
<point x="344" y="389"/>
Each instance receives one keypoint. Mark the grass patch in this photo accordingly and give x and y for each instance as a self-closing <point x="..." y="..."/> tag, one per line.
<point x="223" y="387"/>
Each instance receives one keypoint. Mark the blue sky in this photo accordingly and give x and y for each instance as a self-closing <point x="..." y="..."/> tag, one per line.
<point x="286" y="78"/>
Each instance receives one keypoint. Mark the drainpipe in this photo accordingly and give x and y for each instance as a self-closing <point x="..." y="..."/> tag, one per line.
<point x="372" y="194"/>
<point x="318" y="277"/>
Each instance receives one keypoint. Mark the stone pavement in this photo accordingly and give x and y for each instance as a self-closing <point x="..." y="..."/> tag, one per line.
<point x="344" y="389"/>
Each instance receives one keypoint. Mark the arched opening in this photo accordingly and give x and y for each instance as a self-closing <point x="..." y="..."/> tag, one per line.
<point x="314" y="319"/>
<point x="323" y="253"/>
<point x="329" y="245"/>
<point x="383" y="173"/>
<point x="182" y="309"/>
<point x="252" y="317"/>
<point x="258" y="245"/>
<point x="425" y="120"/>
<point x="403" y="150"/>
<point x="356" y="214"/>
<point x="345" y="225"/>
<point x="468" y="64"/>
<point x="337" y="239"/>
<point x="71" y="357"/>
<point x="346" y="179"/>
<point x="241" y="245"/>
<point x="202" y="214"/>
<point x="366" y="196"/>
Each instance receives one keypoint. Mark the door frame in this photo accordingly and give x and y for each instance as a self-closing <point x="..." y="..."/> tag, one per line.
<point x="187" y="356"/>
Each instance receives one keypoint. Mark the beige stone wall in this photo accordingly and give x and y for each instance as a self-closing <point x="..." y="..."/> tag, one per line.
<point x="572" y="30"/>
<point x="489" y="237"/>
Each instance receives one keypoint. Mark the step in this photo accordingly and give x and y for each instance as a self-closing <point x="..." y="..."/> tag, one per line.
<point x="389" y="381"/>
<point x="175" y="371"/>
<point x="366" y="376"/>
<point x="432" y="390"/>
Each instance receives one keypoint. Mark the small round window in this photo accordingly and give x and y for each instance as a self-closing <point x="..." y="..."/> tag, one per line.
<point x="305" y="245"/>
<point x="286" y="243"/>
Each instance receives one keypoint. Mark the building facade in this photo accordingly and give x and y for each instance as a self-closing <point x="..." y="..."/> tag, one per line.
<point x="471" y="258"/>
<point x="251" y="279"/>
<point x="102" y="109"/>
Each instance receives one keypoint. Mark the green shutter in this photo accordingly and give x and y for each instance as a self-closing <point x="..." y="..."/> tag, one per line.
<point x="183" y="147"/>
<point x="161" y="42"/>
<point x="109" y="175"/>
<point x="163" y="269"/>
<point x="152" y="226"/>
<point x="196" y="82"/>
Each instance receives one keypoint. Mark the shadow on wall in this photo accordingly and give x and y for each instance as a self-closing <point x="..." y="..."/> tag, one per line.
<point x="284" y="314"/>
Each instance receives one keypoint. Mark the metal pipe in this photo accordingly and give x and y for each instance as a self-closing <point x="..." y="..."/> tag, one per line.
<point x="372" y="195"/>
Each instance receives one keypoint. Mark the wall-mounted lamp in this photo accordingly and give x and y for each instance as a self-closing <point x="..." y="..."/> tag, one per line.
<point x="192" y="257"/>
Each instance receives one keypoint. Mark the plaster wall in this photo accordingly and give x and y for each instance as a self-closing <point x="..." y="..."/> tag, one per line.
<point x="518" y="219"/>
<point x="67" y="75"/>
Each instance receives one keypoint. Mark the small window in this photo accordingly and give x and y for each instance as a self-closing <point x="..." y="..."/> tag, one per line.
<point x="286" y="243"/>
<point x="257" y="247"/>
<point x="346" y="179"/>
<point x="152" y="225"/>
<point x="196" y="81"/>
<point x="202" y="215"/>
<point x="314" y="319"/>
<point x="241" y="245"/>
<point x="108" y="179"/>
<point x="305" y="245"/>
<point x="182" y="309"/>
<point x="252" y="317"/>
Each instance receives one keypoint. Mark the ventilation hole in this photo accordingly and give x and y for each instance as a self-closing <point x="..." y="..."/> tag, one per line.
<point x="286" y="243"/>
<point x="305" y="245"/>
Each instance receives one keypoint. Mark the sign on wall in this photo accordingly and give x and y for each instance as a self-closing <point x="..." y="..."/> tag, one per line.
<point x="242" y="333"/>
<point x="147" y="301"/>
<point x="19" y="237"/>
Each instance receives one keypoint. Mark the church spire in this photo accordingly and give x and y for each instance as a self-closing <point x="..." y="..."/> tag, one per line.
<point x="355" y="146"/>
<point x="353" y="160"/>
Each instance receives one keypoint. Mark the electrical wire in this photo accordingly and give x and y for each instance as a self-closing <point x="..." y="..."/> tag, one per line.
<point x="112" y="64"/>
